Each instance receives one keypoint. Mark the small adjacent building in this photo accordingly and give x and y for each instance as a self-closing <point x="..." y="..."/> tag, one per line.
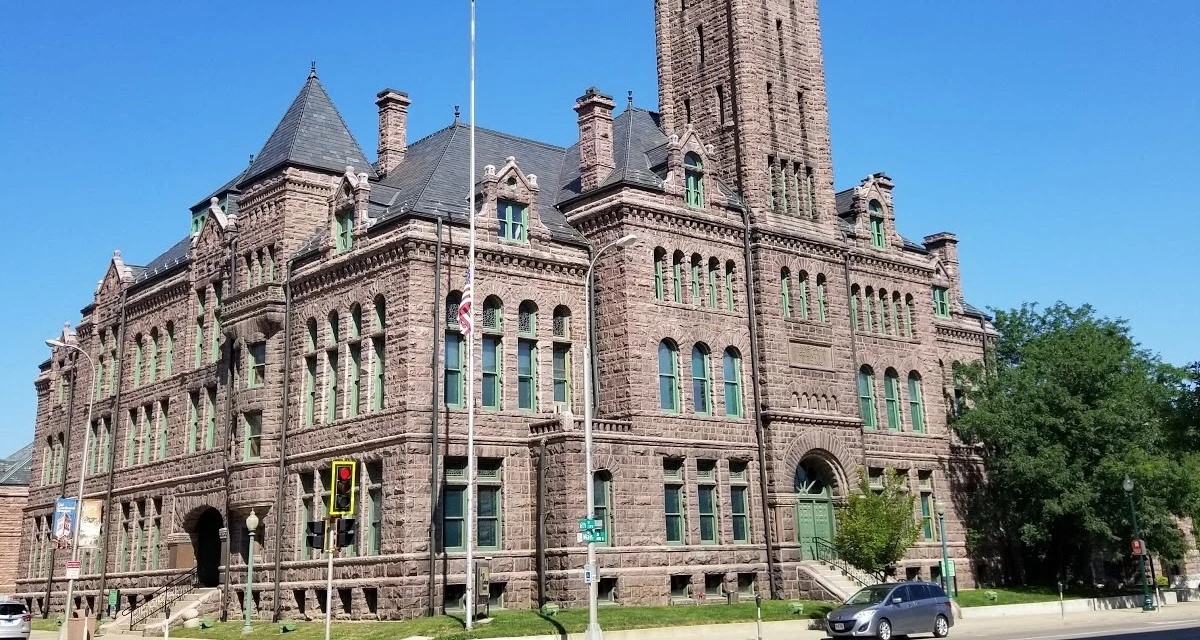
<point x="14" y="492"/>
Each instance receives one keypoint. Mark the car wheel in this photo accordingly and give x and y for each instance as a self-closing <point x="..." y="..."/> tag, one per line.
<point x="884" y="631"/>
<point x="941" y="627"/>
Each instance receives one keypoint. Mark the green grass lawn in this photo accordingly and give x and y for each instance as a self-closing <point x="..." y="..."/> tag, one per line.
<point x="50" y="624"/>
<point x="1016" y="595"/>
<point x="521" y="623"/>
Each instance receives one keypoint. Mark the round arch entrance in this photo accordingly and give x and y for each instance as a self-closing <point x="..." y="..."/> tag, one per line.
<point x="206" y="541"/>
<point x="814" y="485"/>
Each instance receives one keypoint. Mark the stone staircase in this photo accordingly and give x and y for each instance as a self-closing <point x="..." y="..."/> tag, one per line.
<point x="832" y="579"/>
<point x="185" y="608"/>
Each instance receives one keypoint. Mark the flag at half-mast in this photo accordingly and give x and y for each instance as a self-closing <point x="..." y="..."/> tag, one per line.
<point x="464" y="307"/>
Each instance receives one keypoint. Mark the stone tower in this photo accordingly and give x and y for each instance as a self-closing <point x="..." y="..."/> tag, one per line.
<point x="748" y="76"/>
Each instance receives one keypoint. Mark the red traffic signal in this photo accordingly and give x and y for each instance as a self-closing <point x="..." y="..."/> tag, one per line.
<point x="1139" y="547"/>
<point x="341" y="498"/>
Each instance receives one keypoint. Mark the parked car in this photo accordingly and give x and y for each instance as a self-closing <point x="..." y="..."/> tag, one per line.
<point x="14" y="620"/>
<point x="887" y="610"/>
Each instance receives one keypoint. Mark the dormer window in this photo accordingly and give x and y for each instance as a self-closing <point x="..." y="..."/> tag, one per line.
<point x="878" y="240"/>
<point x="198" y="220"/>
<point x="513" y="221"/>
<point x="693" y="175"/>
<point x="343" y="228"/>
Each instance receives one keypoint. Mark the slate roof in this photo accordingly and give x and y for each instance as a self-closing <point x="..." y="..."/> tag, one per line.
<point x="311" y="134"/>
<point x="174" y="257"/>
<point x="16" y="468"/>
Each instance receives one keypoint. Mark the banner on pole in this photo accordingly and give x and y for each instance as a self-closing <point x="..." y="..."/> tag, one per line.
<point x="89" y="523"/>
<point x="64" y="522"/>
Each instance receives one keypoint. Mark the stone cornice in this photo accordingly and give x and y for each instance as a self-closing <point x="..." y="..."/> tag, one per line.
<point x="863" y="261"/>
<point x="958" y="335"/>
<point x="155" y="299"/>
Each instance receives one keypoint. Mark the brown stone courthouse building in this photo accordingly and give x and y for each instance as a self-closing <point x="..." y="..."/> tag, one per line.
<point x="763" y="342"/>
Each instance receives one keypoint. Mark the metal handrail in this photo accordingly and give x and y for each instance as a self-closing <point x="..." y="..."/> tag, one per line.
<point x="828" y="554"/>
<point x="176" y="588"/>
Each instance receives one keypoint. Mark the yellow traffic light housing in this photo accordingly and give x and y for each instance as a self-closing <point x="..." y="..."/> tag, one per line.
<point x="343" y="479"/>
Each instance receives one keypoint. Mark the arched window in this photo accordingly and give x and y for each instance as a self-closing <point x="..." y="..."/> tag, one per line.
<point x="697" y="286"/>
<point x="896" y="319"/>
<point x="822" y="310"/>
<point x="878" y="240"/>
<point x="137" y="361"/>
<point x="802" y="296"/>
<point x="660" y="267"/>
<point x="916" y="408"/>
<point x="453" y="300"/>
<point x="152" y="362"/>
<point x="333" y="372"/>
<point x="866" y="396"/>
<point x="869" y="311"/>
<point x="527" y="318"/>
<point x="527" y="357"/>
<point x="701" y="380"/>
<point x="855" y="294"/>
<point x="785" y="291"/>
<point x="730" y="271"/>
<point x="333" y="336"/>
<point x="693" y="172"/>
<point x="492" y="316"/>
<point x="562" y="322"/>
<point x="714" y="273"/>
<point x="732" y="365"/>
<point x="378" y="356"/>
<point x="355" y="321"/>
<point x="312" y="334"/>
<point x="885" y="324"/>
<point x="169" y="364"/>
<point x="603" y="500"/>
<point x="908" y="315"/>
<point x="492" y="356"/>
<point x="677" y="276"/>
<point x="668" y="376"/>
<point x="561" y="364"/>
<point x="891" y="396"/>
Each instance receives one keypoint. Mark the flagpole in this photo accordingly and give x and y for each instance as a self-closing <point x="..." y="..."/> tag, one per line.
<point x="470" y="502"/>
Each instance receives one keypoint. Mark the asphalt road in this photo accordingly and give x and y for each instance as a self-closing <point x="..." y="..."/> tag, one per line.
<point x="1183" y="630"/>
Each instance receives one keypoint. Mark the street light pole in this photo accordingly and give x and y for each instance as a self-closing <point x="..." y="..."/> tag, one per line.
<point x="87" y="432"/>
<point x="251" y="526"/>
<point x="941" y="512"/>
<point x="1147" y="603"/>
<point x="593" y="629"/>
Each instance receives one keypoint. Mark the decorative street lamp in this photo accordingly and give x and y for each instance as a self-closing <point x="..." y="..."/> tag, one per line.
<point x="941" y="511"/>
<point x="87" y="432"/>
<point x="1147" y="601"/>
<point x="251" y="526"/>
<point x="593" y="629"/>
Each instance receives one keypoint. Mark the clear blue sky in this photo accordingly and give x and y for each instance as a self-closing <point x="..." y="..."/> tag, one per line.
<point x="1059" y="140"/>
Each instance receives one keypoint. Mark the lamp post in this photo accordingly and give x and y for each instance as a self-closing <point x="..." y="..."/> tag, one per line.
<point x="87" y="432"/>
<point x="1147" y="602"/>
<point x="593" y="628"/>
<point x="941" y="512"/>
<point x="251" y="527"/>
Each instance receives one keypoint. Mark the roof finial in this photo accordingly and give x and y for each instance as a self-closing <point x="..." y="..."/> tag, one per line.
<point x="312" y="70"/>
<point x="456" y="113"/>
<point x="630" y="99"/>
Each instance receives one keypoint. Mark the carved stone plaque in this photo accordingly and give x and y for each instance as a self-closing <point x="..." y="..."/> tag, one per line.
<point x="803" y="354"/>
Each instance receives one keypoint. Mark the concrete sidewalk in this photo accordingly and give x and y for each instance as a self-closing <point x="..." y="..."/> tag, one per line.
<point x="1013" y="626"/>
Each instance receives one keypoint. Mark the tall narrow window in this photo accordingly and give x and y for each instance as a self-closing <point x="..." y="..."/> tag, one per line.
<point x="137" y="361"/>
<point x="488" y="514"/>
<point x="697" y="286"/>
<point x="332" y="388"/>
<point x="822" y="311"/>
<point x="668" y="376"/>
<point x="811" y="193"/>
<point x="908" y="316"/>
<point x="344" y="230"/>
<point x="374" y="508"/>
<point x="739" y="486"/>
<point x="310" y="389"/>
<point x="733" y="383"/>
<point x="773" y="168"/>
<point x="721" y="104"/>
<point x="269" y="256"/>
<point x="677" y="277"/>
<point x="701" y="382"/>
<point x="215" y="351"/>
<point x="454" y="370"/>
<point x="163" y="428"/>
<point x="885" y="321"/>
<point x="210" y="418"/>
<point x="802" y="296"/>
<point x="916" y="408"/>
<point x="562" y="373"/>
<point x="877" y="238"/>
<point x="928" y="530"/>
<point x="512" y="219"/>
<point x="855" y="293"/>
<point x="603" y="500"/>
<point x="193" y="420"/>
<point x="378" y="364"/>
<point x="700" y="42"/>
<point x="729" y="274"/>
<point x="896" y="314"/>
<point x="891" y="396"/>
<point x="98" y="383"/>
<point x="785" y="291"/>
<point x="869" y="312"/>
<point x="491" y="371"/>
<point x="454" y="506"/>
<point x="693" y="171"/>
<point x="673" y="505"/>
<point x="706" y="499"/>
<point x="152" y="362"/>
<point x="258" y="365"/>
<point x="169" y="359"/>
<point x="866" y="396"/>
<point x="941" y="302"/>
<point x="714" y="272"/>
<point x="527" y="357"/>
<point x="355" y="382"/>
<point x="660" y="262"/>
<point x="106" y="444"/>
<point x="252" y="434"/>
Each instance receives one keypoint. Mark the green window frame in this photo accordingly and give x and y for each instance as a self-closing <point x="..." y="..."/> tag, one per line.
<point x="491" y="364"/>
<point x="714" y="269"/>
<point x="310" y="389"/>
<point x="123" y="543"/>
<point x="164" y="415"/>
<point x="332" y="388"/>
<point x="602" y="501"/>
<point x="885" y="321"/>
<point x="855" y="293"/>
<point x="138" y="540"/>
<point x="169" y="364"/>
<point x="693" y="172"/>
<point x="144" y="434"/>
<point x="355" y="382"/>
<point x="454" y="505"/>
<point x="155" y="536"/>
<point x="822" y="310"/>
<point x="908" y="316"/>
<point x="701" y="381"/>
<point x="697" y="288"/>
<point x="210" y="419"/>
<point x="199" y="354"/>
<point x="928" y="530"/>
<point x="513" y="220"/>
<point x="673" y="504"/>
<point x="739" y="502"/>
<point x="878" y="240"/>
<point x="941" y="302"/>
<point x="869" y="311"/>
<point x="374" y="508"/>
<point x="732" y="365"/>
<point x="89" y="455"/>
<point x="152" y="362"/>
<point x="802" y="295"/>
<point x="258" y="365"/>
<point x="677" y="277"/>
<point x="896" y="314"/>
<point x="527" y="374"/>
<point x="707" y="502"/>
<point x="252" y="435"/>
<point x="131" y="438"/>
<point x="343" y="229"/>
<point x="105" y="444"/>
<point x="660" y="260"/>
<point x="193" y="420"/>
<point x="137" y="362"/>
<point x="916" y="406"/>
<point x="562" y="373"/>
<point x="730" y="270"/>
<point x="98" y="383"/>
<point x="455" y="355"/>
<point x="891" y="396"/>
<point x="215" y="351"/>
<point x="785" y="291"/>
<point x="668" y="377"/>
<point x="866" y="397"/>
<point x="378" y="375"/>
<point x="489" y="506"/>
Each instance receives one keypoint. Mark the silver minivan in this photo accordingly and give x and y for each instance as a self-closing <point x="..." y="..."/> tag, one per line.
<point x="887" y="610"/>
<point x="15" y="620"/>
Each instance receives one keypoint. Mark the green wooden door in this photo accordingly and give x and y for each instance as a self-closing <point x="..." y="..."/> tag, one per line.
<point x="814" y="519"/>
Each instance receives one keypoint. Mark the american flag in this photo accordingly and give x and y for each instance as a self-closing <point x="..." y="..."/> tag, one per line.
<point x="464" y="307"/>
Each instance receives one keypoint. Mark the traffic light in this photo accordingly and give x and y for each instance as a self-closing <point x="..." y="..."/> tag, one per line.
<point x="314" y="537"/>
<point x="341" y="500"/>
<point x="345" y="533"/>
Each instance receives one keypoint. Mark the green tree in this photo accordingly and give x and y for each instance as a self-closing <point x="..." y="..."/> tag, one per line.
<point x="876" y="526"/>
<point x="1068" y="406"/>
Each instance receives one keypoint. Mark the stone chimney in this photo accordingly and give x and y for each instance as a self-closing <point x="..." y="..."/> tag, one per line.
<point x="944" y="245"/>
<point x="393" y="129"/>
<point x="595" y="138"/>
